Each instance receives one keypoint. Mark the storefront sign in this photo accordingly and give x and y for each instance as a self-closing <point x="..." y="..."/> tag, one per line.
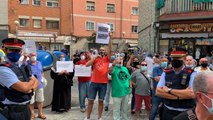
<point x="37" y="34"/>
<point x="191" y="28"/>
<point x="206" y="41"/>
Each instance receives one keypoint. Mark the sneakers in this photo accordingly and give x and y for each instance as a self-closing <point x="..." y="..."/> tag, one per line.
<point x="86" y="118"/>
<point x="83" y="110"/>
<point x="106" y="108"/>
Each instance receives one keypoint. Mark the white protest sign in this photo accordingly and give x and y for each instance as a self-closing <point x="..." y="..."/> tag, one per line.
<point x="82" y="71"/>
<point x="102" y="35"/>
<point x="64" y="65"/>
<point x="29" y="46"/>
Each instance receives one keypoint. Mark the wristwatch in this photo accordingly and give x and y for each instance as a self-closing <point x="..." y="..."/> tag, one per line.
<point x="169" y="90"/>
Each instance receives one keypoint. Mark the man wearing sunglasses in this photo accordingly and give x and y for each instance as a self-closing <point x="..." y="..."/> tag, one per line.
<point x="203" y="91"/>
<point x="175" y="87"/>
<point x="16" y="83"/>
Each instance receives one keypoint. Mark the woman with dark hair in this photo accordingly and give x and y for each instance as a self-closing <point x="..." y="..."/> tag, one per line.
<point x="61" y="89"/>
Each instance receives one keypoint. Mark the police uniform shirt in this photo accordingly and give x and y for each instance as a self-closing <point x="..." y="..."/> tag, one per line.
<point x="7" y="79"/>
<point x="162" y="83"/>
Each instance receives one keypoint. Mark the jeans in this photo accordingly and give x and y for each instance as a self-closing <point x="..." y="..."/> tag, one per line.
<point x="83" y="88"/>
<point x="155" y="103"/>
<point x="120" y="107"/>
<point x="133" y="99"/>
<point x="107" y="98"/>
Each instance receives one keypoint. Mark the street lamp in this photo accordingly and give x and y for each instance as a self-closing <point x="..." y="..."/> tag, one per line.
<point x="17" y="24"/>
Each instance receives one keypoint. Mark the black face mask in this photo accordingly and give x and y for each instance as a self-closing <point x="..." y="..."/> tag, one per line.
<point x="204" y="64"/>
<point x="102" y="53"/>
<point x="135" y="64"/>
<point x="177" y="63"/>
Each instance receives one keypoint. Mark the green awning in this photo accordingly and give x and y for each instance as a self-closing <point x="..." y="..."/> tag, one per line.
<point x="202" y="1"/>
<point x="160" y="4"/>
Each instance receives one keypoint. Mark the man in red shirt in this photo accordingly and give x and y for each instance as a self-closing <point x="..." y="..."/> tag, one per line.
<point x="99" y="80"/>
<point x="83" y="83"/>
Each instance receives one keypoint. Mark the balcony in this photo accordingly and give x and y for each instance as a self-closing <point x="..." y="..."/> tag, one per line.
<point x="184" y="6"/>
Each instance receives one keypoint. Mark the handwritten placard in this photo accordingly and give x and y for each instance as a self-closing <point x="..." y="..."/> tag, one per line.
<point x="64" y="65"/>
<point x="82" y="71"/>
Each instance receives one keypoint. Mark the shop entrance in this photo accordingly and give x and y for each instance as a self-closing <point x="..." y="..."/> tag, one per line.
<point x="203" y="51"/>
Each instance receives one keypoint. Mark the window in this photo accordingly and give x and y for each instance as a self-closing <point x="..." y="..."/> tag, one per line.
<point x="90" y="25"/>
<point x="111" y="27"/>
<point x="52" y="24"/>
<point x="24" y="22"/>
<point x="37" y="23"/>
<point x="134" y="29"/>
<point x="37" y="2"/>
<point x="24" y="1"/>
<point x="135" y="11"/>
<point x="110" y="8"/>
<point x="52" y="3"/>
<point x="90" y="6"/>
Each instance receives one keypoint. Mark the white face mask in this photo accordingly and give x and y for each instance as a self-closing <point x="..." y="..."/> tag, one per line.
<point x="62" y="59"/>
<point x="83" y="57"/>
<point x="211" y="108"/>
<point x="33" y="58"/>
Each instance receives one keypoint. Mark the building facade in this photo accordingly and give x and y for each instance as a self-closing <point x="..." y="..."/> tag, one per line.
<point x="121" y="15"/>
<point x="45" y="21"/>
<point x="147" y="38"/>
<point x="58" y="23"/>
<point x="186" y="24"/>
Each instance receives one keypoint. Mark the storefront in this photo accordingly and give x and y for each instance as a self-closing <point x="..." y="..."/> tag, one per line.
<point x="195" y="37"/>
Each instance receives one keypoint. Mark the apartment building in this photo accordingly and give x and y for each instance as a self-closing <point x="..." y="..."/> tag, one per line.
<point x="56" y="23"/>
<point x="45" y="21"/>
<point x="121" y="15"/>
<point x="187" y="24"/>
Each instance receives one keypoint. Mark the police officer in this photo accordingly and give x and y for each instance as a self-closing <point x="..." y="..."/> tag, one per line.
<point x="175" y="87"/>
<point x="16" y="83"/>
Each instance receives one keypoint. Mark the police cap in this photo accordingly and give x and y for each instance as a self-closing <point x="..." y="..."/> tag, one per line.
<point x="178" y="54"/>
<point x="13" y="43"/>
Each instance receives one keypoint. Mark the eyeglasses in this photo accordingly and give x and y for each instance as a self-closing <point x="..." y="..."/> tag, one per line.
<point x="143" y="64"/>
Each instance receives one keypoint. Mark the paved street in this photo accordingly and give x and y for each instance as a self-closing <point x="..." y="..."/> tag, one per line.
<point x="75" y="114"/>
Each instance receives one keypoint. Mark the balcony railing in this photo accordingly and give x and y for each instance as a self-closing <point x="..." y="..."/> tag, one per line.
<point x="180" y="6"/>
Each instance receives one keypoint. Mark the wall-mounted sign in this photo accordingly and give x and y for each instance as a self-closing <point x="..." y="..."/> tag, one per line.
<point x="36" y="34"/>
<point x="191" y="28"/>
<point x="204" y="41"/>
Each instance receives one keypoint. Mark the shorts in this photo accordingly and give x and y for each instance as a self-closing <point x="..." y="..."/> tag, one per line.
<point x="97" y="87"/>
<point x="139" y="100"/>
<point x="38" y="96"/>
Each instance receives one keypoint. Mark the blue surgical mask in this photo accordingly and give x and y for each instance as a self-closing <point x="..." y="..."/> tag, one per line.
<point x="13" y="56"/>
<point x="143" y="68"/>
<point x="118" y="65"/>
<point x="112" y="58"/>
<point x="209" y="109"/>
<point x="163" y="64"/>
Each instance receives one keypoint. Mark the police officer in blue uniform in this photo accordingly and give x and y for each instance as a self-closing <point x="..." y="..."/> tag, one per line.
<point x="16" y="83"/>
<point x="175" y="87"/>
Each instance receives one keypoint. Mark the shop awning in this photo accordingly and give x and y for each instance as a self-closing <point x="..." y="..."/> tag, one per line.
<point x="184" y="35"/>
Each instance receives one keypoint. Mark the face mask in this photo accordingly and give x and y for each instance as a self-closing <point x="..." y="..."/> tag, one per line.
<point x="33" y="59"/>
<point x="163" y="64"/>
<point x="83" y="57"/>
<point x="62" y="59"/>
<point x="204" y="64"/>
<point x="112" y="58"/>
<point x="13" y="56"/>
<point x="118" y="65"/>
<point x="135" y="64"/>
<point x="177" y="63"/>
<point x="102" y="53"/>
<point x="143" y="68"/>
<point x="189" y="66"/>
<point x="209" y="109"/>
